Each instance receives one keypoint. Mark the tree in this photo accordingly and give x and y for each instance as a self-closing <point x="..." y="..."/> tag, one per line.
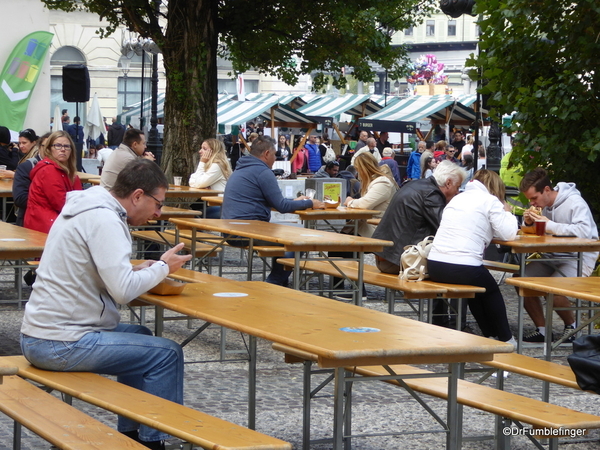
<point x="539" y="60"/>
<point x="328" y="37"/>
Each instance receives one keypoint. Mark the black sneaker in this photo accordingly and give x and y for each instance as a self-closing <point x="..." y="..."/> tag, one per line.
<point x="154" y="445"/>
<point x="534" y="336"/>
<point x="568" y="335"/>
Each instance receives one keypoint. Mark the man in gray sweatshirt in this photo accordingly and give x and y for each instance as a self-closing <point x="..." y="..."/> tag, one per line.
<point x="71" y="321"/>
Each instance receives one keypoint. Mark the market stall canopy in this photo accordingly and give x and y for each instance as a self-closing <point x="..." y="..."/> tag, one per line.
<point x="327" y="109"/>
<point x="232" y="113"/>
<point x="132" y="116"/>
<point x="403" y="115"/>
<point x="293" y="100"/>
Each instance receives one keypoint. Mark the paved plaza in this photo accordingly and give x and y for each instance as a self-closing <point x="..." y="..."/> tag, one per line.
<point x="220" y="389"/>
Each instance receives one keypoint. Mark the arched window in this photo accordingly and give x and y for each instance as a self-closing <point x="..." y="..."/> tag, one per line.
<point x="62" y="57"/>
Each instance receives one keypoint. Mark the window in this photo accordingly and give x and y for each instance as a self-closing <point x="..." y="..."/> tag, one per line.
<point x="61" y="57"/>
<point x="129" y="92"/>
<point x="228" y="86"/>
<point x="430" y="28"/>
<point x="452" y="28"/>
<point x="408" y="31"/>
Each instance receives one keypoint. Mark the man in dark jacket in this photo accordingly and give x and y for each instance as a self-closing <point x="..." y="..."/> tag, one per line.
<point x="9" y="156"/>
<point x="252" y="191"/>
<point x="115" y="134"/>
<point x="415" y="212"/>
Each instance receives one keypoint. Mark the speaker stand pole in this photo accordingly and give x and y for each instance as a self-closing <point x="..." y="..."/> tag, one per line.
<point x="78" y="145"/>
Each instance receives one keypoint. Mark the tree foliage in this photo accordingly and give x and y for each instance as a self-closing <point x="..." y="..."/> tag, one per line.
<point x="539" y="59"/>
<point x="285" y="38"/>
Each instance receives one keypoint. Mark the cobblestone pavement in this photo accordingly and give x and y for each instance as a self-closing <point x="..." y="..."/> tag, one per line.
<point x="220" y="389"/>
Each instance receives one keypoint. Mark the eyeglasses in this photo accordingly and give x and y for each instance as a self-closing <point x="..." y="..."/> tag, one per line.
<point x="66" y="147"/>
<point x="159" y="205"/>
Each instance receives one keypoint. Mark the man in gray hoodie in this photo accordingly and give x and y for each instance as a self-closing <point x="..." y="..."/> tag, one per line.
<point x="565" y="213"/>
<point x="71" y="321"/>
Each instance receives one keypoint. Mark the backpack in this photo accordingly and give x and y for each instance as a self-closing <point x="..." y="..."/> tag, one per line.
<point x="413" y="261"/>
<point x="329" y="155"/>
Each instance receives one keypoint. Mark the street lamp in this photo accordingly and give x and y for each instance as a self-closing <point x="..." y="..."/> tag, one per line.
<point x="125" y="64"/>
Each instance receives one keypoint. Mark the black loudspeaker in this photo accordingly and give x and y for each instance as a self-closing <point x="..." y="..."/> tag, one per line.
<point x="76" y="83"/>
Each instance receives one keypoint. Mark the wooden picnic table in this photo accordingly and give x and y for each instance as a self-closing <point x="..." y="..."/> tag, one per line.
<point x="340" y="334"/>
<point x="292" y="239"/>
<point x="526" y="244"/>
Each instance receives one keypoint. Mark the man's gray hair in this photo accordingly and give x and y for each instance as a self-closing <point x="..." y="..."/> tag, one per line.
<point x="371" y="141"/>
<point x="447" y="170"/>
<point x="261" y="144"/>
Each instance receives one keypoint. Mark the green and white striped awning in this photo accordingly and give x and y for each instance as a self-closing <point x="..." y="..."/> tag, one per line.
<point x="403" y="115"/>
<point x="328" y="109"/>
<point x="132" y="116"/>
<point x="232" y="113"/>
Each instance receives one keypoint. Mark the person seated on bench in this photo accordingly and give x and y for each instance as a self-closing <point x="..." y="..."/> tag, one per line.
<point x="71" y="321"/>
<point x="252" y="191"/>
<point x="413" y="214"/>
<point x="469" y="223"/>
<point x="212" y="172"/>
<point x="566" y="213"/>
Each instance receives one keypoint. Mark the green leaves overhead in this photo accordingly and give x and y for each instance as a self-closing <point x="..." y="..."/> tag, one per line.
<point x="540" y="62"/>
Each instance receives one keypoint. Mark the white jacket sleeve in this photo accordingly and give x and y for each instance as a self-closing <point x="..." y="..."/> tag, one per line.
<point x="205" y="179"/>
<point x="504" y="223"/>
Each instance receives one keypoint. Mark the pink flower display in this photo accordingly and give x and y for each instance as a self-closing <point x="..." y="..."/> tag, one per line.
<point x="427" y="70"/>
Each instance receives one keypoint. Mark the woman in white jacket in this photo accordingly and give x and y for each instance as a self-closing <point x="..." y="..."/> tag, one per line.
<point x="469" y="223"/>
<point x="213" y="172"/>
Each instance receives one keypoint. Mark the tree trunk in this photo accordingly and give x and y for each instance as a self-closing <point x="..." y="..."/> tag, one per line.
<point x="191" y="69"/>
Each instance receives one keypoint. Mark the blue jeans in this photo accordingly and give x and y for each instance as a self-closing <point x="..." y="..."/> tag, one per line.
<point x="138" y="359"/>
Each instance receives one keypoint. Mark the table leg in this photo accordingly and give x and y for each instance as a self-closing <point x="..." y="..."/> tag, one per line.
<point x="454" y="419"/>
<point x="252" y="383"/>
<point x="338" y="408"/>
<point x="521" y="306"/>
<point x="297" y="270"/>
<point x="250" y="258"/>
<point x="359" y="282"/>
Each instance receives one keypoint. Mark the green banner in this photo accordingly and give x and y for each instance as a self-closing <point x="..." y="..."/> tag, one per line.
<point x="21" y="71"/>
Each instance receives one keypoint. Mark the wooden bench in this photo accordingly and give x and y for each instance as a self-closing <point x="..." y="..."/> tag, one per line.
<point x="504" y="405"/>
<point x="372" y="275"/>
<point x="501" y="267"/>
<point x="53" y="420"/>
<point x="177" y="420"/>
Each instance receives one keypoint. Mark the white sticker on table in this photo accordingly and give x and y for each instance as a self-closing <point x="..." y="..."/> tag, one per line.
<point x="12" y="239"/>
<point x="239" y="223"/>
<point x="360" y="330"/>
<point x="230" y="294"/>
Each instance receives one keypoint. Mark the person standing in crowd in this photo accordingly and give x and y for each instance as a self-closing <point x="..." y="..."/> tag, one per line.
<point x="132" y="147"/>
<point x="469" y="223"/>
<point x="448" y="155"/>
<point x="75" y="130"/>
<point x="22" y="178"/>
<point x="115" y="135"/>
<point x="566" y="213"/>
<point x="283" y="149"/>
<point x="413" y="168"/>
<point x="430" y="164"/>
<point x="482" y="161"/>
<point x="467" y="164"/>
<point x="371" y="148"/>
<point x="212" y="172"/>
<point x="51" y="179"/>
<point x="362" y="140"/>
<point x="458" y="142"/>
<point x="72" y="321"/>
<point x="252" y="191"/>
<point x="428" y="152"/>
<point x="314" y="154"/>
<point x="383" y="142"/>
<point x="388" y="160"/>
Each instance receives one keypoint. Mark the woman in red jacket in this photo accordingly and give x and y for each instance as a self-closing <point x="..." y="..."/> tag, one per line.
<point x="51" y="179"/>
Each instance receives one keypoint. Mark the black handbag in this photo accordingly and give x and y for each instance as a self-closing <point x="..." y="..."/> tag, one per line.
<point x="585" y="362"/>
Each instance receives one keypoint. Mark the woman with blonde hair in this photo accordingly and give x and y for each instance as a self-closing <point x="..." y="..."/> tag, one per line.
<point x="469" y="223"/>
<point x="377" y="189"/>
<point x="51" y="179"/>
<point x="212" y="172"/>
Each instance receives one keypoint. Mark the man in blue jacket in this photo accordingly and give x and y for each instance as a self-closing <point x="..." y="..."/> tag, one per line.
<point x="252" y="191"/>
